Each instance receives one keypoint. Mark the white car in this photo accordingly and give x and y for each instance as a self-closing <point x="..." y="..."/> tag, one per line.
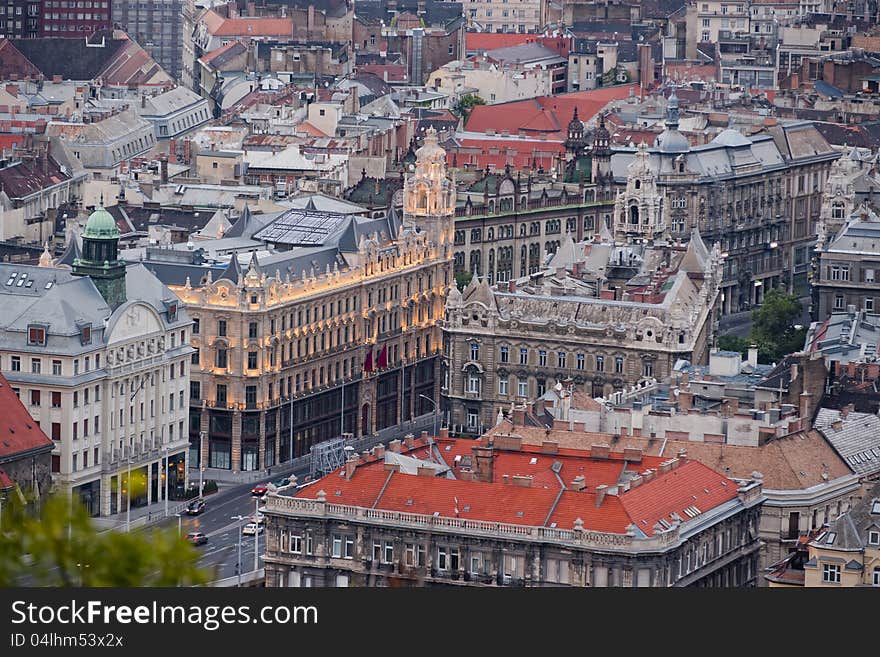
<point x="250" y="529"/>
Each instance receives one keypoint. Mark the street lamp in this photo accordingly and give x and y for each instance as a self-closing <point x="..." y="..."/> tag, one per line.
<point x="256" y="532"/>
<point x="434" y="405"/>
<point x="201" y="462"/>
<point x="179" y="520"/>
<point x="128" y="494"/>
<point x="165" y="452"/>
<point x="238" y="564"/>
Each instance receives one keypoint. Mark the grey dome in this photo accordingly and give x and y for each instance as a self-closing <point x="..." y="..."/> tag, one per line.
<point x="731" y="137"/>
<point x="672" y="141"/>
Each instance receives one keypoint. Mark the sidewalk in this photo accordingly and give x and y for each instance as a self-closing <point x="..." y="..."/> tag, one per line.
<point x="140" y="516"/>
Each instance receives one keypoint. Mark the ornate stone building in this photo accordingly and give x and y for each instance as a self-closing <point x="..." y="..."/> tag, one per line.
<point x="98" y="351"/>
<point x="498" y="513"/>
<point x="759" y="197"/>
<point x="604" y="315"/>
<point x="331" y="328"/>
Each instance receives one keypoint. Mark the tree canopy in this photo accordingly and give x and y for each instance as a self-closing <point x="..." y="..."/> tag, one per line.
<point x="466" y="104"/>
<point x="773" y="329"/>
<point x="58" y="545"/>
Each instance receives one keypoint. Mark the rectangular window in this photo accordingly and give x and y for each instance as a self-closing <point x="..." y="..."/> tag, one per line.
<point x="648" y="368"/>
<point x="252" y="360"/>
<point x="252" y="330"/>
<point x="221" y="328"/>
<point x="221" y="394"/>
<point x="195" y="326"/>
<point x="523" y="356"/>
<point x="36" y="336"/>
<point x="600" y="363"/>
<point x="831" y="573"/>
<point x="618" y="365"/>
<point x="56" y="368"/>
<point x="15" y="364"/>
<point x="522" y="387"/>
<point x="56" y="399"/>
<point x="35" y="397"/>
<point x="296" y="543"/>
<point x="505" y="355"/>
<point x="36" y="365"/>
<point x="542" y="358"/>
<point x="502" y="385"/>
<point x="580" y="361"/>
<point x="560" y="359"/>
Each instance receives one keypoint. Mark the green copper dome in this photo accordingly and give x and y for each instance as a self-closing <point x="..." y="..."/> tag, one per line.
<point x="101" y="225"/>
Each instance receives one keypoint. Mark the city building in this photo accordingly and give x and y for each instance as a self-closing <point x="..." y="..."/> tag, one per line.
<point x="157" y="26"/>
<point x="804" y="481"/>
<point x="98" y="351"/>
<point x="759" y="197"/>
<point x="311" y="323"/>
<point x="848" y="553"/>
<point x="37" y="181"/>
<point x="21" y="19"/>
<point x="25" y="451"/>
<point x="855" y="436"/>
<point x="529" y="16"/>
<point x="105" y="143"/>
<point x="59" y="19"/>
<point x="848" y="273"/>
<point x="173" y="112"/>
<point x="499" y="513"/>
<point x="604" y="315"/>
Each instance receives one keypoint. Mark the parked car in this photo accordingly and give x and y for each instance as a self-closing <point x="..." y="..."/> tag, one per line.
<point x="284" y="481"/>
<point x="196" y="507"/>
<point x="258" y="518"/>
<point x="252" y="528"/>
<point x="259" y="489"/>
<point x="197" y="538"/>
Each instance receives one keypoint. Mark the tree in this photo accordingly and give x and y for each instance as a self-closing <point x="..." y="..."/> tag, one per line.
<point x="465" y="104"/>
<point x="734" y="343"/>
<point x="58" y="545"/>
<point x="462" y="279"/>
<point x="773" y="330"/>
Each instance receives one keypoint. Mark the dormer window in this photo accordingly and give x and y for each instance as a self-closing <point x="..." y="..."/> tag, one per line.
<point x="85" y="333"/>
<point x="171" y="309"/>
<point x="36" y="335"/>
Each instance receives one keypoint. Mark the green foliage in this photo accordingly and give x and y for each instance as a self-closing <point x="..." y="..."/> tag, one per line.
<point x="59" y="546"/>
<point x="210" y="487"/>
<point x="734" y="343"/>
<point x="773" y="330"/>
<point x="462" y="279"/>
<point x="465" y="104"/>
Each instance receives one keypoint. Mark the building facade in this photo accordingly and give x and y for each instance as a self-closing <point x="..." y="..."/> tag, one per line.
<point x="99" y="353"/>
<point x="848" y="273"/>
<point x="60" y="19"/>
<point x="157" y="26"/>
<point x="760" y="197"/>
<point x="381" y="522"/>
<point x="344" y="341"/>
<point x="575" y="320"/>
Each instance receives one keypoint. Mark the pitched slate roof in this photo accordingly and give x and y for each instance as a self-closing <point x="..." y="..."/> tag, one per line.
<point x="856" y="438"/>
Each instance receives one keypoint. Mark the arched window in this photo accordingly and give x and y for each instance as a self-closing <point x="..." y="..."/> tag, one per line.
<point x="634" y="215"/>
<point x="638" y="184"/>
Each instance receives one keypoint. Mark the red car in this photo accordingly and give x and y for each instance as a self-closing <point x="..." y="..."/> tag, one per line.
<point x="259" y="489"/>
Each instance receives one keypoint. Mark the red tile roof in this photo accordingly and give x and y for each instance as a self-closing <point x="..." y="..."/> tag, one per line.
<point x="5" y="481"/>
<point x="545" y="501"/>
<point x="12" y="61"/>
<point x="247" y="27"/>
<point x="497" y="153"/>
<point x="544" y="115"/>
<point x="19" y="433"/>
<point x="216" y="53"/>
<point x="27" y="177"/>
<point x="475" y="41"/>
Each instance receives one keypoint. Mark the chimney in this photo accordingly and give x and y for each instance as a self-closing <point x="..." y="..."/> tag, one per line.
<point x="685" y="401"/>
<point x="379" y="451"/>
<point x="350" y="466"/>
<point x="682" y="455"/>
<point x="549" y="447"/>
<point x="648" y="474"/>
<point x="753" y="356"/>
<point x="523" y="481"/>
<point x="600" y="493"/>
<point x="508" y="443"/>
<point x="394" y="446"/>
<point x="143" y="101"/>
<point x="539" y="406"/>
<point x="423" y="471"/>
<point x="392" y="467"/>
<point x="666" y="466"/>
<point x="519" y="415"/>
<point x="685" y="379"/>
<point x="444" y="432"/>
<point x="163" y="169"/>
<point x="425" y="436"/>
<point x="635" y="482"/>
<point x="483" y="462"/>
<point x="578" y="483"/>
<point x="837" y="425"/>
<point x="806" y="410"/>
<point x="632" y="454"/>
<point x="409" y="440"/>
<point x="600" y="451"/>
<point x="846" y="410"/>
